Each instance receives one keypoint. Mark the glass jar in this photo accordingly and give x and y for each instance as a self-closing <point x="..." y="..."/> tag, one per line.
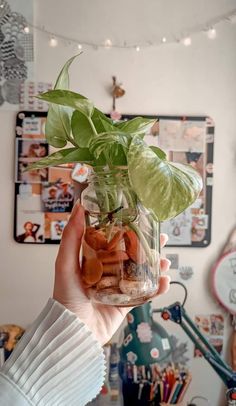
<point x="120" y="261"/>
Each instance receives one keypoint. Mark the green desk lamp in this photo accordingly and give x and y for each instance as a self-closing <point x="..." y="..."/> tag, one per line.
<point x="145" y="341"/>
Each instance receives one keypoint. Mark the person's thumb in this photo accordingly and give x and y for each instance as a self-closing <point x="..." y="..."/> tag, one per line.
<point x="68" y="255"/>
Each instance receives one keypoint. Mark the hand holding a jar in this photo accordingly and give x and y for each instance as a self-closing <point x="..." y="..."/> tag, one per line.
<point x="102" y="320"/>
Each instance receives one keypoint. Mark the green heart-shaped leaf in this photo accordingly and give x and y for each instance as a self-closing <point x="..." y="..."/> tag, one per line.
<point x="138" y="125"/>
<point x="81" y="129"/>
<point x="99" y="120"/>
<point x="163" y="187"/>
<point x="68" y="155"/>
<point x="69" y="99"/>
<point x="159" y="152"/>
<point x="63" y="81"/>
<point x="58" y="119"/>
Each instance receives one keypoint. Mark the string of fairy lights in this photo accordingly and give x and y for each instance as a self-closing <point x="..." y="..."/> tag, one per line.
<point x="209" y="29"/>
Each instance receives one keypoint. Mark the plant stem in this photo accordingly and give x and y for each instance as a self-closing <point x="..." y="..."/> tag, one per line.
<point x="144" y="243"/>
<point x="71" y="140"/>
<point x="92" y="126"/>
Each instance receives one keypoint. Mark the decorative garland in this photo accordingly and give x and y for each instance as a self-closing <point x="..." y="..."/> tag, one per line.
<point x="209" y="28"/>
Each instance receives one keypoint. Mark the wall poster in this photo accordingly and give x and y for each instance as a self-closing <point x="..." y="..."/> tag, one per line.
<point x="16" y="50"/>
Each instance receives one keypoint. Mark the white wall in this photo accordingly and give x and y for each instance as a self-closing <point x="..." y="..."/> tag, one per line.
<point x="173" y="79"/>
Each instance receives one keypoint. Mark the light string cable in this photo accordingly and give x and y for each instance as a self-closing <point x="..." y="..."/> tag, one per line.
<point x="184" y="37"/>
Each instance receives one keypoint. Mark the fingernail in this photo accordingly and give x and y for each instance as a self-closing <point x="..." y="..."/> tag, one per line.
<point x="165" y="236"/>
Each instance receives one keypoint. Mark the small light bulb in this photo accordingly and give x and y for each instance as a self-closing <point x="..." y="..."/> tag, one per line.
<point x="137" y="48"/>
<point x="211" y="33"/>
<point x="26" y="30"/>
<point x="187" y="41"/>
<point x="53" y="42"/>
<point x="163" y="40"/>
<point x="1" y="5"/>
<point x="79" y="46"/>
<point x="108" y="43"/>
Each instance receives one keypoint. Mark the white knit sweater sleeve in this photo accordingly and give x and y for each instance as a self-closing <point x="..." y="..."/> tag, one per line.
<point x="57" y="362"/>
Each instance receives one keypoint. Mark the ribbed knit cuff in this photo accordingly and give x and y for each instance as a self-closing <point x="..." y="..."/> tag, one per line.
<point x="57" y="361"/>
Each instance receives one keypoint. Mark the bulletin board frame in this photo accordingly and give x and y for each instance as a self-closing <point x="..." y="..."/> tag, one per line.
<point x="185" y="139"/>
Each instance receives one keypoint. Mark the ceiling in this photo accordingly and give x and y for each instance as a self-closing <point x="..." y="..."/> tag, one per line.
<point x="130" y="21"/>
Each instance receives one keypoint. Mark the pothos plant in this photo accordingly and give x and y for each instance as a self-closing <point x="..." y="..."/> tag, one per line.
<point x="163" y="187"/>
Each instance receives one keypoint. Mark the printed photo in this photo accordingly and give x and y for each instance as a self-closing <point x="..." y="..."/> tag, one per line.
<point x="57" y="228"/>
<point x="217" y="343"/>
<point x="57" y="197"/>
<point x="59" y="174"/>
<point x="200" y="222"/>
<point x="33" y="127"/>
<point x="31" y="149"/>
<point x="32" y="176"/>
<point x="212" y="327"/>
<point x="203" y="323"/>
<point x="30" y="220"/>
<point x="195" y="159"/>
<point x="27" y="152"/>
<point x="54" y="224"/>
<point x="217" y="325"/>
<point x="182" y="135"/>
<point x="179" y="229"/>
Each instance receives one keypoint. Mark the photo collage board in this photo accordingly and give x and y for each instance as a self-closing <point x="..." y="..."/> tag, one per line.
<point x="188" y="140"/>
<point x="44" y="198"/>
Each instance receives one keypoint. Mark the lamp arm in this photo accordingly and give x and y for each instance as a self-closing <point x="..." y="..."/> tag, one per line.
<point x="178" y="314"/>
<point x="205" y="342"/>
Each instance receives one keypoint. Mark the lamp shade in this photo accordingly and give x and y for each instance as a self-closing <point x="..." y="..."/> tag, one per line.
<point x="145" y="341"/>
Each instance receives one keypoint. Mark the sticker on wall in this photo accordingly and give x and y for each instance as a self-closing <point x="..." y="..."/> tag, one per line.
<point x="28" y="101"/>
<point x="186" y="272"/>
<point x="212" y="327"/>
<point x="174" y="258"/>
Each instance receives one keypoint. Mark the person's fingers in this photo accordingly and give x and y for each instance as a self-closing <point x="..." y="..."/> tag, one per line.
<point x="71" y="238"/>
<point x="165" y="264"/>
<point x="164" y="285"/>
<point x="163" y="239"/>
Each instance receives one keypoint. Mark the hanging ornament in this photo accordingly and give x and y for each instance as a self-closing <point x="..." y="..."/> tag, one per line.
<point x="117" y="92"/>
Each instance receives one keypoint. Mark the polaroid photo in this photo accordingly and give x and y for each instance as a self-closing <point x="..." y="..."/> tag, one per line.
<point x="203" y="323"/>
<point x="169" y="134"/>
<point x="179" y="229"/>
<point x="33" y="127"/>
<point x="30" y="220"/>
<point x="182" y="135"/>
<point x="52" y="221"/>
<point x="59" y="174"/>
<point x="31" y="149"/>
<point x="57" y="228"/>
<point x="27" y="152"/>
<point x="57" y="197"/>
<point x="193" y="136"/>
<point x="195" y="159"/>
<point x="200" y="222"/>
<point x="216" y="324"/>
